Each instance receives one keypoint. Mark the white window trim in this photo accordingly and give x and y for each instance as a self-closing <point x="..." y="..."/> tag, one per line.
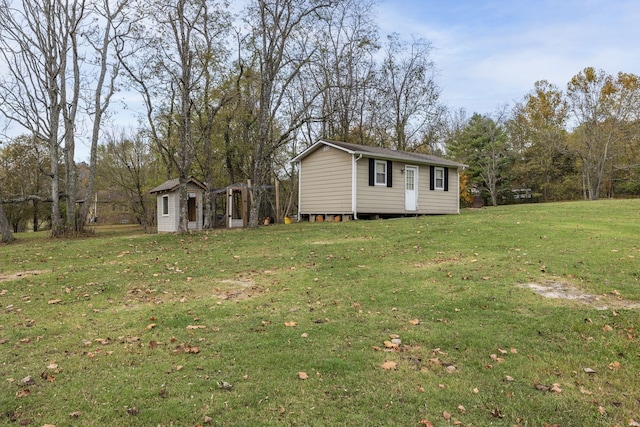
<point x="382" y="163"/>
<point x="165" y="197"/>
<point x="435" y="178"/>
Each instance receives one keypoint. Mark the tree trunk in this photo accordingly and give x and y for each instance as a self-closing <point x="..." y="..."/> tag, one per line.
<point x="36" y="211"/>
<point x="183" y="224"/>
<point x="5" y="229"/>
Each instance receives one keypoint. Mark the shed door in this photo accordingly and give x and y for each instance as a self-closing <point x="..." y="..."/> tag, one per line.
<point x="410" y="188"/>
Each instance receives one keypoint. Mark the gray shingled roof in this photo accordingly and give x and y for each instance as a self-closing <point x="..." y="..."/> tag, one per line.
<point x="382" y="153"/>
<point x="172" y="185"/>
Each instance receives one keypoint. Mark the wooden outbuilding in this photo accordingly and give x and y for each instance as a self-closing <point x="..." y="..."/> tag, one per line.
<point x="168" y="204"/>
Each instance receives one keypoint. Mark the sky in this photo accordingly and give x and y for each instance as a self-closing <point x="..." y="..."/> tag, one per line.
<point x="490" y="53"/>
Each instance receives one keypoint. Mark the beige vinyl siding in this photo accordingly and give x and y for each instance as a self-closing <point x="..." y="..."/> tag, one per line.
<point x="168" y="223"/>
<point x="325" y="182"/>
<point x="380" y="199"/>
<point x="390" y="200"/>
<point x="438" y="201"/>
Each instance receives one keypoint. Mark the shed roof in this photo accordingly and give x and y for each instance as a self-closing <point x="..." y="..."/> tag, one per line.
<point x="381" y="153"/>
<point x="173" y="184"/>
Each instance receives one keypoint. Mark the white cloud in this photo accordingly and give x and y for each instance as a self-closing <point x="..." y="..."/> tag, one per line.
<point x="491" y="53"/>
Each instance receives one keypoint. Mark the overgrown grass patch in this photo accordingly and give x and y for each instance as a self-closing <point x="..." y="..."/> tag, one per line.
<point x="215" y="327"/>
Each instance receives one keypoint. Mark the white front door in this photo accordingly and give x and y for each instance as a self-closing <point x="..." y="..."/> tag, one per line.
<point x="410" y="188"/>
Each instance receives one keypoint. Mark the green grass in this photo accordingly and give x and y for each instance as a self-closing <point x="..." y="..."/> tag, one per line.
<point x="83" y="327"/>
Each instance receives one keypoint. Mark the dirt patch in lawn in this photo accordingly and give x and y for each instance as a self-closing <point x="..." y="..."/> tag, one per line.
<point x="236" y="289"/>
<point x="563" y="290"/>
<point x="21" y="275"/>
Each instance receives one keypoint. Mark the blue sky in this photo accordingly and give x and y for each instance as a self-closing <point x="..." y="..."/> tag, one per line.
<point x="490" y="53"/>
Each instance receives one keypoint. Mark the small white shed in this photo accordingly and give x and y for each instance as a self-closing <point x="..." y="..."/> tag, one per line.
<point x="168" y="204"/>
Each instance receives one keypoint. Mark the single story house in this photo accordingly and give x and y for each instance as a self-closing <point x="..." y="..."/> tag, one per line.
<point x="352" y="181"/>
<point x="168" y="204"/>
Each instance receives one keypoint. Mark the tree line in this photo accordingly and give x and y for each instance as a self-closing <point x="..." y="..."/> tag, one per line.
<point x="554" y="144"/>
<point x="231" y="95"/>
<point x="226" y="96"/>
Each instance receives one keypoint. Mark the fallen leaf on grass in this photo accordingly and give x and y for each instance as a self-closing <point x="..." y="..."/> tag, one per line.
<point x="601" y="410"/>
<point x="303" y="375"/>
<point x="615" y="366"/>
<point x="54" y="301"/>
<point x="75" y="414"/>
<point x="541" y="387"/>
<point x="389" y="344"/>
<point x="425" y="423"/>
<point x="446" y="415"/>
<point x="584" y="390"/>
<point x="462" y="409"/>
<point x="589" y="371"/>
<point x="225" y="385"/>
<point x="496" y="413"/>
<point x="150" y="326"/>
<point x="634" y="423"/>
<point x="607" y="328"/>
<point x="28" y="380"/>
<point x="191" y="327"/>
<point x="23" y="393"/>
<point x="389" y="365"/>
<point x="290" y="324"/>
<point x="556" y="388"/>
<point x="414" y="321"/>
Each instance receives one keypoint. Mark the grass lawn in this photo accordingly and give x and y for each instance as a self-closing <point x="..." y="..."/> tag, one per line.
<point x="422" y="321"/>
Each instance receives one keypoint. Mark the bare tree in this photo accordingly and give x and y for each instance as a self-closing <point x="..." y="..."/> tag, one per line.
<point x="106" y="41"/>
<point x="46" y="46"/>
<point x="35" y="45"/>
<point x="346" y="69"/>
<point x="409" y="89"/>
<point x="177" y="49"/>
<point x="281" y="47"/>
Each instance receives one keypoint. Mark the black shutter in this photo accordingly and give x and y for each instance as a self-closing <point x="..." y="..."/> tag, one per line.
<point x="446" y="179"/>
<point x="432" y="178"/>
<point x="372" y="172"/>
<point x="389" y="169"/>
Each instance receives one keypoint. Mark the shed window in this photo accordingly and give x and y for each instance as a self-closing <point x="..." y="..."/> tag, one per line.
<point x="165" y="205"/>
<point x="439" y="178"/>
<point x="381" y="172"/>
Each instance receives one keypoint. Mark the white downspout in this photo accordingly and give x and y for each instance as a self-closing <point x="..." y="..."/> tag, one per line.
<point x="458" y="189"/>
<point x="354" y="185"/>
<point x="299" y="190"/>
